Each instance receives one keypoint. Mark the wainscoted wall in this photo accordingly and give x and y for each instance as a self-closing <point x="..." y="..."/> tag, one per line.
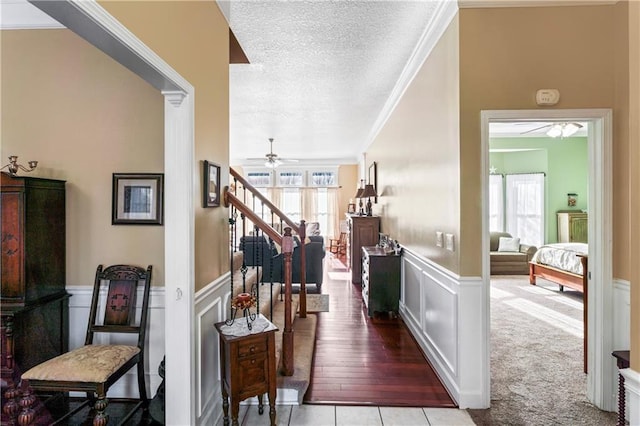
<point x="127" y="387"/>
<point x="435" y="305"/>
<point x="211" y="306"/>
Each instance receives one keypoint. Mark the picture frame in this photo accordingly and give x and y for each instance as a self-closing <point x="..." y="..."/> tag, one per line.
<point x="210" y="185"/>
<point x="137" y="199"/>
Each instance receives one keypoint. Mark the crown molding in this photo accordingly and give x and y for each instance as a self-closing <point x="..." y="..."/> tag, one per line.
<point x="478" y="4"/>
<point x="434" y="30"/>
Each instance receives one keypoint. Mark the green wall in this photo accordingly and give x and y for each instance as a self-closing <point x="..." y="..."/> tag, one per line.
<point x="565" y="162"/>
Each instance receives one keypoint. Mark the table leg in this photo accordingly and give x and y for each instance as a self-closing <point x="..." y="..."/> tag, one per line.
<point x="225" y="406"/>
<point x="272" y="408"/>
<point x="260" y="405"/>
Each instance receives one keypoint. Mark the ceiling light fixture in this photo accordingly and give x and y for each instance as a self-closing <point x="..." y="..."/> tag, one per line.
<point x="563" y="130"/>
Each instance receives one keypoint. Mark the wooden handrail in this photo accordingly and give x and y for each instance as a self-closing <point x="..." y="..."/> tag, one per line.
<point x="265" y="201"/>
<point x="230" y="199"/>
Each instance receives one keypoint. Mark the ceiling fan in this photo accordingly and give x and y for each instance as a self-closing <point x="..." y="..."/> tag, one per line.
<point x="271" y="159"/>
<point x="560" y="129"/>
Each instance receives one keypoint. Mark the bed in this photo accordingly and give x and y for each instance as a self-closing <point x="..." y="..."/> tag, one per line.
<point x="562" y="263"/>
<point x="565" y="264"/>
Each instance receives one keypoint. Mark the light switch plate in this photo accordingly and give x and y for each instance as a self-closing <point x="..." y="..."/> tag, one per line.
<point x="439" y="239"/>
<point x="449" y="242"/>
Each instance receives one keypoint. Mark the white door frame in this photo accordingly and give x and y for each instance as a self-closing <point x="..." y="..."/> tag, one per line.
<point x="92" y="22"/>
<point x="601" y="376"/>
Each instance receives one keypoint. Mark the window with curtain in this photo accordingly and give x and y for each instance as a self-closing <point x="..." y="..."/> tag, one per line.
<point x="525" y="207"/>
<point x="496" y="203"/>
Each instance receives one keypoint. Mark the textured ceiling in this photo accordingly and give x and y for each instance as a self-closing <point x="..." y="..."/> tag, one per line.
<point x="320" y="73"/>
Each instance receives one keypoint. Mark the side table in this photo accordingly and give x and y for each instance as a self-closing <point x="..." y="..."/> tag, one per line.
<point x="622" y="358"/>
<point x="247" y="365"/>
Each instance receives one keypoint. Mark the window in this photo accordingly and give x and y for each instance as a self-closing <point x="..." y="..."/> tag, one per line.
<point x="496" y="203"/>
<point x="259" y="179"/>
<point x="323" y="179"/>
<point x="525" y="207"/>
<point x="290" y="178"/>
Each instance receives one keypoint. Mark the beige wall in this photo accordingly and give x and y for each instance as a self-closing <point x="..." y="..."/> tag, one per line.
<point x="193" y="37"/>
<point x="83" y="117"/>
<point x="505" y="58"/>
<point x="348" y="181"/>
<point x="418" y="158"/>
<point x="634" y="167"/>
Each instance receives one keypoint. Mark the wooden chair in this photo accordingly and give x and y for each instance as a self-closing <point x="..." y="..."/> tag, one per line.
<point x="338" y="245"/>
<point x="94" y="367"/>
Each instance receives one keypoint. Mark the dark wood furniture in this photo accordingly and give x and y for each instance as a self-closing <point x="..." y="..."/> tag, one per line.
<point x="33" y="300"/>
<point x="247" y="369"/>
<point x="363" y="231"/>
<point x="380" y="280"/>
<point x="568" y="279"/>
<point x="622" y="361"/>
<point x="94" y="367"/>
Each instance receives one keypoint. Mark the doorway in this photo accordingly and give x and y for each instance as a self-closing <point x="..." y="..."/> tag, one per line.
<point x="600" y="379"/>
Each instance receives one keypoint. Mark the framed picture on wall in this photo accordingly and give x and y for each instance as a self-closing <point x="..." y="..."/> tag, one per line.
<point x="211" y="185"/>
<point x="137" y="199"/>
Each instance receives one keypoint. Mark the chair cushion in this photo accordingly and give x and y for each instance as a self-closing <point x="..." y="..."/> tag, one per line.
<point x="87" y="364"/>
<point x="508" y="256"/>
<point x="509" y="244"/>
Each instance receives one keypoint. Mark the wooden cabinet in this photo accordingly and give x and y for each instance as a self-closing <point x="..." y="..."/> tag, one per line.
<point x="363" y="231"/>
<point x="380" y="280"/>
<point x="33" y="302"/>
<point x="573" y="227"/>
<point x="247" y="369"/>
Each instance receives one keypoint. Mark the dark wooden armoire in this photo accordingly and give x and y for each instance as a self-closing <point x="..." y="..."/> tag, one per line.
<point x="33" y="302"/>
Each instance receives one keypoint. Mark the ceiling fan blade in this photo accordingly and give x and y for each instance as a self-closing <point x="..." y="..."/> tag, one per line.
<point x="537" y="128"/>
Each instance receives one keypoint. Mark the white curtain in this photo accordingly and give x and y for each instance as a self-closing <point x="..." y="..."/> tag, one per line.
<point x="525" y="207"/>
<point x="496" y="203"/>
<point x="333" y="220"/>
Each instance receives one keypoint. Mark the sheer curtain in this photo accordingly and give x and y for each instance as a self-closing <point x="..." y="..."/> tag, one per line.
<point x="333" y="220"/>
<point x="496" y="203"/>
<point x="525" y="207"/>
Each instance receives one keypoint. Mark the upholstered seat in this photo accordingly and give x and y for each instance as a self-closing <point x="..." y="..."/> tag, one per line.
<point x="93" y="368"/>
<point x="512" y="260"/>
<point x="92" y="363"/>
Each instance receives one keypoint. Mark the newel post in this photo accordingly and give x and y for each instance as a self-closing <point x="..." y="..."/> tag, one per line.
<point x="303" y="270"/>
<point x="287" y="335"/>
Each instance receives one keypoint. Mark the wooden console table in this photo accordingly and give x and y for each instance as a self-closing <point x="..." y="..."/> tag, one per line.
<point x="247" y="366"/>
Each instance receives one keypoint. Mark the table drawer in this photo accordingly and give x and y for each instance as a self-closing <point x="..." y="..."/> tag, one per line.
<point x="252" y="346"/>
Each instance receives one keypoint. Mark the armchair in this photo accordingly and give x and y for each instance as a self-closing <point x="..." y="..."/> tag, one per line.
<point x="509" y="262"/>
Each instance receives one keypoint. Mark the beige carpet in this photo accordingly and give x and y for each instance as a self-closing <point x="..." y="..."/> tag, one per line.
<point x="537" y="373"/>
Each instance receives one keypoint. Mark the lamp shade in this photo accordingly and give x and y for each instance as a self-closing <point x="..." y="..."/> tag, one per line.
<point x="369" y="191"/>
<point x="359" y="193"/>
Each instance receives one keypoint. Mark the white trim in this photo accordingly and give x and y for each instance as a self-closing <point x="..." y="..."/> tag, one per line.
<point x="632" y="386"/>
<point x="600" y="379"/>
<point x="442" y="17"/>
<point x="92" y="22"/>
<point x="477" y="4"/>
<point x="441" y="311"/>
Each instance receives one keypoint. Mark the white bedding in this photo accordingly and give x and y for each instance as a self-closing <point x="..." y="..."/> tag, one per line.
<point x="562" y="256"/>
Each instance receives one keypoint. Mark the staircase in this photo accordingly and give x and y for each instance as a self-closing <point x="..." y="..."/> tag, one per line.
<point x="293" y="355"/>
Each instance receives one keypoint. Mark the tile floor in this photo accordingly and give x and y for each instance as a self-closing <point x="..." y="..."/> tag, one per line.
<point x="330" y="415"/>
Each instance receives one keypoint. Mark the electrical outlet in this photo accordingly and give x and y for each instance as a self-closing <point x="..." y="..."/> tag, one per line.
<point x="449" y="242"/>
<point x="439" y="239"/>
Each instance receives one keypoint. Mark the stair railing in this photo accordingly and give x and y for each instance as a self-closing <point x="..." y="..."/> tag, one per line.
<point x="286" y="243"/>
<point x="250" y="195"/>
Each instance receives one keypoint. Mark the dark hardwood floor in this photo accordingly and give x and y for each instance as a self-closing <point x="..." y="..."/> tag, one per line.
<point x="367" y="361"/>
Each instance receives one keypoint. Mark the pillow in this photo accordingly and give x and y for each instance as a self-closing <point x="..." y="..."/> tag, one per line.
<point x="509" y="244"/>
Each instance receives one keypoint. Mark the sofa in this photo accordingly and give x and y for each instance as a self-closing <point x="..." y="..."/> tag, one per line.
<point x="258" y="252"/>
<point x="509" y="257"/>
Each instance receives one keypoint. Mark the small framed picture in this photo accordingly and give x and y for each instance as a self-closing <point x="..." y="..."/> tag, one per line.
<point x="211" y="185"/>
<point x="137" y="199"/>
